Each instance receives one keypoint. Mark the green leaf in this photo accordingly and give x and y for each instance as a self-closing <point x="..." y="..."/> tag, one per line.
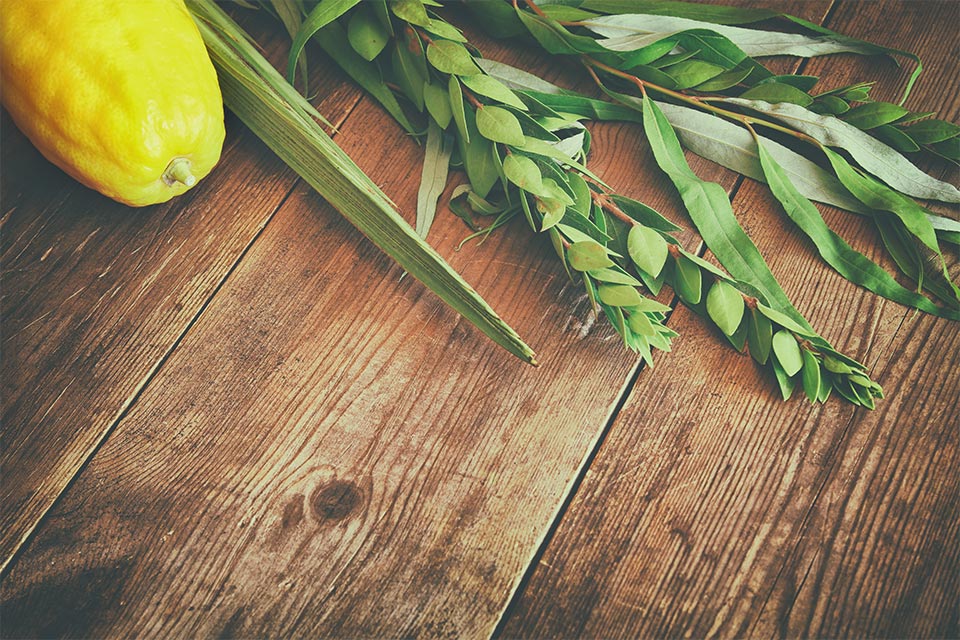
<point x="552" y="211"/>
<point x="777" y="92"/>
<point x="492" y="88"/>
<point x="457" y="109"/>
<point x="709" y="206"/>
<point x="499" y="125"/>
<point x="445" y="30"/>
<point x="433" y="177"/>
<point x="410" y="69"/>
<point x="785" y="381"/>
<point x="878" y="196"/>
<point x="874" y="156"/>
<point x="320" y="16"/>
<point x="644" y="214"/>
<point x="411" y="11"/>
<point x="724" y="81"/>
<point x="523" y="172"/>
<point x="619" y="295"/>
<point x="832" y="105"/>
<point x="367" y="36"/>
<point x="451" y="57"/>
<point x="693" y="72"/>
<point x="480" y="158"/>
<point x="688" y="280"/>
<point x="647" y="249"/>
<point x="848" y="262"/>
<point x="615" y="275"/>
<point x="874" y="114"/>
<point x="640" y="323"/>
<point x="931" y="131"/>
<point x="333" y="40"/>
<point x="759" y="336"/>
<point x="811" y="375"/>
<point x="437" y="101"/>
<point x="734" y="147"/>
<point x="896" y="138"/>
<point x="282" y="118"/>
<point x="787" y="352"/>
<point x="725" y="306"/>
<point x="588" y="255"/>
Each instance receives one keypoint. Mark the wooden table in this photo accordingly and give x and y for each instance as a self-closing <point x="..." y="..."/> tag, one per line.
<point x="230" y="416"/>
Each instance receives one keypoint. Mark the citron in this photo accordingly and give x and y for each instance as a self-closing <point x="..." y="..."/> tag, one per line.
<point x="120" y="94"/>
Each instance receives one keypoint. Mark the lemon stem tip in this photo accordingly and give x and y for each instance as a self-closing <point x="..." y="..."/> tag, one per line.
<point x="179" y="171"/>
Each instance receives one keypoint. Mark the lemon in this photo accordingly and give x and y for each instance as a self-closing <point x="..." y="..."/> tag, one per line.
<point x="120" y="94"/>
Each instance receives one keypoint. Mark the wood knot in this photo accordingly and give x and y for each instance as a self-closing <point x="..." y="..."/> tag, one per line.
<point x="336" y="500"/>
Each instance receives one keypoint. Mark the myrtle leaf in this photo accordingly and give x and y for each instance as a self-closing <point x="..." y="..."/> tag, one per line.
<point x="499" y="125"/>
<point x="587" y="255"/>
<point x="647" y="249"/>
<point x="451" y="57"/>
<point x="725" y="306"/>
<point x="787" y="352"/>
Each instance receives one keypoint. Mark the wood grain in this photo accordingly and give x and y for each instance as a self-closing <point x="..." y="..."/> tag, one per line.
<point x="729" y="514"/>
<point x="327" y="451"/>
<point x="324" y="424"/>
<point x="96" y="295"/>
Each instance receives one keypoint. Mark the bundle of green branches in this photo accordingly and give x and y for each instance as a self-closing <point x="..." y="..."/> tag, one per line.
<point x="692" y="79"/>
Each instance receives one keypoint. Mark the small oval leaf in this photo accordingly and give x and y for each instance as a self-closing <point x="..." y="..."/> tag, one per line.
<point x="588" y="255"/>
<point x="811" y="375"/>
<point x="619" y="295"/>
<point x="647" y="249"/>
<point x="523" y="172"/>
<point x="688" y="280"/>
<point x="451" y="57"/>
<point x="787" y="352"/>
<point x="437" y="101"/>
<point x="759" y="336"/>
<point x="499" y="125"/>
<point x="725" y="306"/>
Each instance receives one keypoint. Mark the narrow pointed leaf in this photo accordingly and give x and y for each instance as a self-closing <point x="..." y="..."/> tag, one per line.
<point x="848" y="262"/>
<point x="709" y="206"/>
<point x="873" y="155"/>
<point x="433" y="177"/>
<point x="276" y="112"/>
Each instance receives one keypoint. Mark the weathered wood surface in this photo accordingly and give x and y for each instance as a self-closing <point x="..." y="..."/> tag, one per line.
<point x="254" y="427"/>
<point x="725" y="515"/>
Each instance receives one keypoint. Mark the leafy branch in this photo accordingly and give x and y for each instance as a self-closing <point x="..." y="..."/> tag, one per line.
<point x="524" y="157"/>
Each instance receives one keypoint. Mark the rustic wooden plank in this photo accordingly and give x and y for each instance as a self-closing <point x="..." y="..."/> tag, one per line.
<point x="95" y="296"/>
<point x="329" y="450"/>
<point x="726" y="513"/>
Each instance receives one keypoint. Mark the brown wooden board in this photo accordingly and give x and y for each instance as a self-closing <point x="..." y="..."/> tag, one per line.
<point x="96" y="295"/>
<point x="329" y="451"/>
<point x="727" y="513"/>
<point x="315" y="345"/>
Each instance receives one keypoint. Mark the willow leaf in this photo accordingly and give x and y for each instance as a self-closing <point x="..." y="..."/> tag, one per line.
<point x="320" y="16"/>
<point x="732" y="146"/>
<point x="848" y="262"/>
<point x="433" y="177"/>
<point x="623" y="28"/>
<point x="876" y="157"/>
<point x="278" y="114"/>
<point x="710" y="209"/>
<point x="333" y="40"/>
<point x="736" y="15"/>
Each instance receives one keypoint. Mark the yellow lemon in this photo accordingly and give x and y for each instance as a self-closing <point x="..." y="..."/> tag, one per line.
<point x="120" y="94"/>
